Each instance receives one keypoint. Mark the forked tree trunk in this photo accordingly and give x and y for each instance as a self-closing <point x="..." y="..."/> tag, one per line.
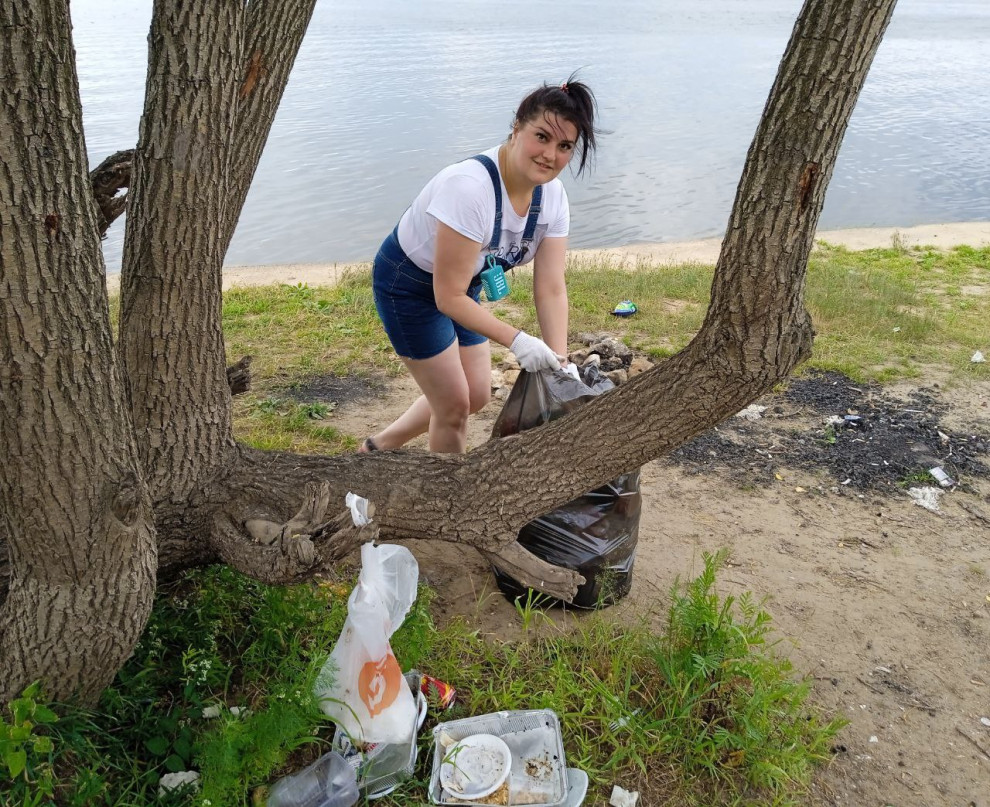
<point x="216" y="500"/>
<point x="74" y="509"/>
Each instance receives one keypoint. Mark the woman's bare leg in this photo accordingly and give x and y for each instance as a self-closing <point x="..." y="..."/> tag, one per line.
<point x="476" y="364"/>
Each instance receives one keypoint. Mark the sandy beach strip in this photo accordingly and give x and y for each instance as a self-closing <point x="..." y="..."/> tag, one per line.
<point x="943" y="236"/>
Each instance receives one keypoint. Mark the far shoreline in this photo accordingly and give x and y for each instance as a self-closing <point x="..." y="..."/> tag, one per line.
<point x="705" y="251"/>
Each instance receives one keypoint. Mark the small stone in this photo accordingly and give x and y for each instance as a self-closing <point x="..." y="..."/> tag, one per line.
<point x="603" y="348"/>
<point x="578" y="356"/>
<point x="175" y="781"/>
<point x="510" y="376"/>
<point x="617" y="377"/>
<point x="594" y="359"/>
<point x="591" y="338"/>
<point x="498" y="379"/>
<point x="639" y="364"/>
<point x="985" y="721"/>
<point x="752" y="412"/>
<point x="607" y="348"/>
<point x="612" y="363"/>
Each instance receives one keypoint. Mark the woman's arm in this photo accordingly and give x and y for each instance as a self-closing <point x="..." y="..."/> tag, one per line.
<point x="550" y="292"/>
<point x="453" y="267"/>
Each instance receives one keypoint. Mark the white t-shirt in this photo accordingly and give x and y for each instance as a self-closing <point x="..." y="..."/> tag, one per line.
<point x="462" y="197"/>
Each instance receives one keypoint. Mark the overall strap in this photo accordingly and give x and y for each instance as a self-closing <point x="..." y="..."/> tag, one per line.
<point x="535" y="205"/>
<point x="534" y="213"/>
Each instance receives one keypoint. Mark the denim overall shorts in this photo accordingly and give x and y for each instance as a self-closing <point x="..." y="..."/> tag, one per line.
<point x="404" y="296"/>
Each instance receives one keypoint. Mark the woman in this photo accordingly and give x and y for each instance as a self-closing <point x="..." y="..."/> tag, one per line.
<point x="500" y="209"/>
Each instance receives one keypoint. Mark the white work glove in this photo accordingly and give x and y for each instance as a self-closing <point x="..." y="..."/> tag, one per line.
<point x="572" y="370"/>
<point x="533" y="354"/>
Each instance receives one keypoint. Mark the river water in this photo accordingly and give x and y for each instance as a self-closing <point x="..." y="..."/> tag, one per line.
<point x="386" y="92"/>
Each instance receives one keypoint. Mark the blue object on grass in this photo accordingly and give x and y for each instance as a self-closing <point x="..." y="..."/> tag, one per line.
<point x="625" y="309"/>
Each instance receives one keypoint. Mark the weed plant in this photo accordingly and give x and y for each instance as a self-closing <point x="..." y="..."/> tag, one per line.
<point x="703" y="713"/>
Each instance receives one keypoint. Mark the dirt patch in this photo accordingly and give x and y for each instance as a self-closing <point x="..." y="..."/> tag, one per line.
<point x="860" y="435"/>
<point x="885" y="605"/>
<point x="336" y="389"/>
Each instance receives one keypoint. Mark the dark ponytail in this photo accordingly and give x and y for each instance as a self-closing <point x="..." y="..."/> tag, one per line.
<point x="574" y="102"/>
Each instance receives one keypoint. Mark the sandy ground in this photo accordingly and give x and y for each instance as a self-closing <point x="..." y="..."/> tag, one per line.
<point x="884" y="603"/>
<point x="705" y="251"/>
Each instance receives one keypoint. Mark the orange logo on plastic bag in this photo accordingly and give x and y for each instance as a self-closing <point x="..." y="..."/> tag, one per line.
<point x="379" y="682"/>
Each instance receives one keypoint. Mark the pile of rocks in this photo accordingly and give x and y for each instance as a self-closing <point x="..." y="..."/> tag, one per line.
<point x="616" y="360"/>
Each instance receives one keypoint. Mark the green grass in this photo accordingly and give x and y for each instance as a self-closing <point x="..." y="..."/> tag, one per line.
<point x="703" y="711"/>
<point x="882" y="315"/>
<point x="295" y="331"/>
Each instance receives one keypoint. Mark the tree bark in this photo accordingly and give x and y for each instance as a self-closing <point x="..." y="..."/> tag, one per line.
<point x="217" y="72"/>
<point x="274" y="31"/>
<point x="73" y="508"/>
<point x="171" y="339"/>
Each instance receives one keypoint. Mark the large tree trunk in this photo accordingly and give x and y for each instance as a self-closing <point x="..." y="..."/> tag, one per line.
<point x="75" y="512"/>
<point x="214" y="499"/>
<point x="171" y="339"/>
<point x="216" y="75"/>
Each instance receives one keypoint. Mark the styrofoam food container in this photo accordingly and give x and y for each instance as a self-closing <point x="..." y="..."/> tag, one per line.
<point x="476" y="766"/>
<point x="537" y="773"/>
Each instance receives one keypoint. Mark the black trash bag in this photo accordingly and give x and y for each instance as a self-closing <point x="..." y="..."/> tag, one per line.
<point x="595" y="534"/>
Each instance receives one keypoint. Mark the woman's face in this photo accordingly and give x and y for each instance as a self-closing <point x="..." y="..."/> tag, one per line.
<point x="540" y="148"/>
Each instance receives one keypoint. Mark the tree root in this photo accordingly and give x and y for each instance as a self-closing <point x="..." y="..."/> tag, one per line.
<point x="533" y="572"/>
<point x="297" y="550"/>
<point x="239" y="376"/>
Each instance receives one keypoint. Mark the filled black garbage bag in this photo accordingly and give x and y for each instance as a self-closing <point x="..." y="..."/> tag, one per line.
<point x="594" y="534"/>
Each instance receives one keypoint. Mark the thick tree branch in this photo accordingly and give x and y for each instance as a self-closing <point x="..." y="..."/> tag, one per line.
<point x="108" y="179"/>
<point x="273" y="33"/>
<point x="171" y="338"/>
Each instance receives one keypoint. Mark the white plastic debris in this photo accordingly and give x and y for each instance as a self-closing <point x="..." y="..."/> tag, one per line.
<point x="174" y="781"/>
<point x="874" y="738"/>
<point x="985" y="721"/>
<point x="977" y="358"/>
<point x="210" y="712"/>
<point x="752" y="412"/>
<point x="926" y="497"/>
<point x="359" y="509"/>
<point x="623" y="798"/>
<point x="834" y="420"/>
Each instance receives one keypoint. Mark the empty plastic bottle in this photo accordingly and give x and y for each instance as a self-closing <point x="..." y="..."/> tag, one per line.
<point x="328" y="782"/>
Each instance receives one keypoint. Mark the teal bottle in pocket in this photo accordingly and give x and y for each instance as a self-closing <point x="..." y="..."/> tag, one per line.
<point x="493" y="280"/>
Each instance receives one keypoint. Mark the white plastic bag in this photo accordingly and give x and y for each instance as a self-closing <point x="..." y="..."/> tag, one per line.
<point x="361" y="685"/>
